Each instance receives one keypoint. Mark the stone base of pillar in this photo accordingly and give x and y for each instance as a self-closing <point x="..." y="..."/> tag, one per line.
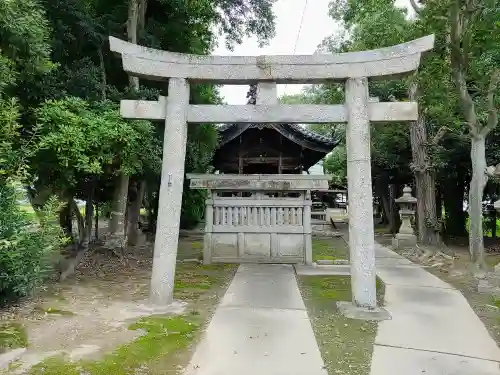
<point x="351" y="311"/>
<point x="404" y="241"/>
<point x="486" y="287"/>
<point x="490" y="284"/>
<point x="146" y="309"/>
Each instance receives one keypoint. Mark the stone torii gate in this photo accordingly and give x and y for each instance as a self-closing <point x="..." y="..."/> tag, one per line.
<point x="352" y="68"/>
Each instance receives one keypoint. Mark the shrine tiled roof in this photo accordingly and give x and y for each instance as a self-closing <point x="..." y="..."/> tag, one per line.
<point x="295" y="128"/>
<point x="228" y="132"/>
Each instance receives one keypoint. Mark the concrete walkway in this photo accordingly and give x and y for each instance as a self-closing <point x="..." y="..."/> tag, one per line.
<point x="433" y="330"/>
<point x="261" y="327"/>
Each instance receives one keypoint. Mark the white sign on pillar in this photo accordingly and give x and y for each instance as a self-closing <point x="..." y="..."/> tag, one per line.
<point x="170" y="197"/>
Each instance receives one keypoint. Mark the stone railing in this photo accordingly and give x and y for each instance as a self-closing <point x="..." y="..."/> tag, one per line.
<point x="318" y="215"/>
<point x="234" y="212"/>
<point x="263" y="218"/>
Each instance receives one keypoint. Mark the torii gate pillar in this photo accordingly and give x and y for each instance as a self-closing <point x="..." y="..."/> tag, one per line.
<point x="170" y="196"/>
<point x="359" y="179"/>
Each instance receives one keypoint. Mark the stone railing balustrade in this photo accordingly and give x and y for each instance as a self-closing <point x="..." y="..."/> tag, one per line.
<point x="234" y="214"/>
<point x="258" y="221"/>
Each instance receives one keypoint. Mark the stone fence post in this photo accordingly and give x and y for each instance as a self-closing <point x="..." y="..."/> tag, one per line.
<point x="406" y="236"/>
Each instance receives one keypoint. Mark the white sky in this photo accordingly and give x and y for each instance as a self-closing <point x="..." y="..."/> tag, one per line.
<point x="315" y="27"/>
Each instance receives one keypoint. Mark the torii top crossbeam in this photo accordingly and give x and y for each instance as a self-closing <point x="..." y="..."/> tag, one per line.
<point x="155" y="64"/>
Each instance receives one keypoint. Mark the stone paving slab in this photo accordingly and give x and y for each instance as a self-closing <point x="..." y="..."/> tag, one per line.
<point x="261" y="327"/>
<point x="433" y="329"/>
<point x="434" y="319"/>
<point x="384" y="252"/>
<point x="397" y="361"/>
<point x="266" y="286"/>
<point x="323" y="270"/>
<point x="384" y="262"/>
<point x="410" y="276"/>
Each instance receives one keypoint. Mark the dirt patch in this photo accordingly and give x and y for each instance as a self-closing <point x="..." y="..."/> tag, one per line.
<point x="89" y="316"/>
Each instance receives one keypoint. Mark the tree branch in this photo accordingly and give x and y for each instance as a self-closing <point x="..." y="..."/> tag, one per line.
<point x="141" y="22"/>
<point x="104" y="81"/>
<point x="415" y="6"/>
<point x="492" y="110"/>
<point x="440" y="134"/>
<point x="493" y="172"/>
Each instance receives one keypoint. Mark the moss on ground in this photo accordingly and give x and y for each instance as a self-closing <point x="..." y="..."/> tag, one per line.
<point x="12" y="336"/>
<point x="190" y="248"/>
<point x="330" y="249"/>
<point x="193" y="280"/>
<point x="53" y="311"/>
<point x="163" y="347"/>
<point x="164" y="337"/>
<point x="197" y="245"/>
<point x="346" y="344"/>
<point x="496" y="302"/>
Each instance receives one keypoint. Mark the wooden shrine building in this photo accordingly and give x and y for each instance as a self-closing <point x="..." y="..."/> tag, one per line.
<point x="268" y="148"/>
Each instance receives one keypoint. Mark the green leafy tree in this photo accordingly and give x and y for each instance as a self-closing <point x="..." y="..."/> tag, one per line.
<point x="27" y="244"/>
<point x="77" y="142"/>
<point x="475" y="57"/>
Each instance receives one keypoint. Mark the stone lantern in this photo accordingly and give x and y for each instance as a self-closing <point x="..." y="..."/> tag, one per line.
<point x="406" y="236"/>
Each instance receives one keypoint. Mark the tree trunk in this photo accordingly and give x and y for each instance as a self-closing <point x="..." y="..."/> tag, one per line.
<point x="394" y="219"/>
<point x="382" y="190"/>
<point x="89" y="210"/>
<point x="428" y="233"/>
<point x="69" y="266"/>
<point x="117" y="222"/>
<point x="65" y="220"/>
<point x="477" y="184"/>
<point x="439" y="205"/>
<point x="379" y="212"/>
<point x="460" y="20"/>
<point x="132" y="24"/>
<point x="153" y="210"/>
<point x="104" y="80"/>
<point x="453" y="204"/>
<point x="80" y="221"/>
<point x="135" y="212"/>
<point x="96" y="229"/>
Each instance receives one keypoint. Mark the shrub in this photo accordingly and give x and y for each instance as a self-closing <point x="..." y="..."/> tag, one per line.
<point x="193" y="207"/>
<point x="27" y="244"/>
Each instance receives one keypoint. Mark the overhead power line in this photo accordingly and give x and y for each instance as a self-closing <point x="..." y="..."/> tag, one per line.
<point x="300" y="27"/>
<point x="299" y="31"/>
